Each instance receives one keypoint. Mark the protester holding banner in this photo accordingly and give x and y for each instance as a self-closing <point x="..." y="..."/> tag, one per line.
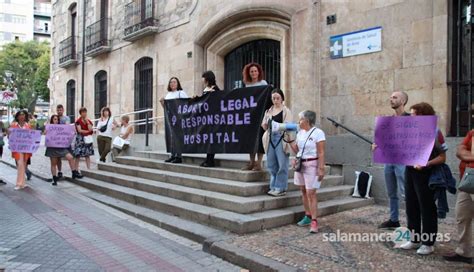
<point x="63" y="120"/>
<point x="105" y="125"/>
<point x="83" y="143"/>
<point x="21" y="122"/>
<point x="252" y="75"/>
<point x="276" y="147"/>
<point x="464" y="206"/>
<point x="126" y="132"/>
<point x="310" y="148"/>
<point x="56" y="153"/>
<point x="209" y="80"/>
<point x="395" y="173"/>
<point x="422" y="215"/>
<point x="175" y="91"/>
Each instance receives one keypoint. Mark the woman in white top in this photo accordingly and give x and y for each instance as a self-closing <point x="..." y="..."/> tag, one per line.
<point x="126" y="132"/>
<point x="105" y="125"/>
<point x="309" y="146"/>
<point x="252" y="75"/>
<point x="175" y="91"/>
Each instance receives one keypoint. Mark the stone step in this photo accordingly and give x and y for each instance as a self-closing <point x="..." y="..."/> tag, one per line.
<point x="227" y="220"/>
<point x="233" y="161"/>
<point x="213" y="172"/>
<point x="238" y="204"/>
<point x="185" y="228"/>
<point x="238" y="188"/>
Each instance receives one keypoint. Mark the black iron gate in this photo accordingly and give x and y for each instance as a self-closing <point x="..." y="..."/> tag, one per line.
<point x="460" y="70"/>
<point x="100" y="92"/>
<point x="71" y="99"/>
<point x="143" y="90"/>
<point x="263" y="52"/>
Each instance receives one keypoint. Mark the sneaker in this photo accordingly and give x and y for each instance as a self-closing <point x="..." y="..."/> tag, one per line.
<point x="278" y="193"/>
<point x="458" y="258"/>
<point x="389" y="224"/>
<point x="270" y="192"/>
<point x="170" y="159"/>
<point x="425" y="250"/>
<point x="410" y="245"/>
<point x="304" y="222"/>
<point x="314" y="226"/>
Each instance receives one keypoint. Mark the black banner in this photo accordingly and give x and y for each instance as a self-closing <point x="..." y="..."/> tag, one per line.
<point x="217" y="122"/>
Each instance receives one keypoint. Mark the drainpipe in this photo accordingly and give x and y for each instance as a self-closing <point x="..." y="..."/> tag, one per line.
<point x="83" y="49"/>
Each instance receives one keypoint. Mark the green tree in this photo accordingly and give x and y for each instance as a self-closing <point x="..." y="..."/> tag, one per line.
<point x="29" y="62"/>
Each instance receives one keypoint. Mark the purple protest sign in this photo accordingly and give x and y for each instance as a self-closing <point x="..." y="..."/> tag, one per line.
<point x="59" y="135"/>
<point x="406" y="140"/>
<point x="24" y="140"/>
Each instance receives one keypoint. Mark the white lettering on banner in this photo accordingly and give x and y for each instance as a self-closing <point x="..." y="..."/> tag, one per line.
<point x="218" y="137"/>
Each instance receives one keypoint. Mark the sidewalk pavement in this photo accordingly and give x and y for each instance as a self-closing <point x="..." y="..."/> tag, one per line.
<point x="46" y="228"/>
<point x="294" y="245"/>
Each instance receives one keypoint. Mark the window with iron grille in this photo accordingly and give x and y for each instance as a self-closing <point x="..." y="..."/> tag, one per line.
<point x="100" y="94"/>
<point x="143" y="90"/>
<point x="71" y="99"/>
<point x="460" y="72"/>
<point x="264" y="52"/>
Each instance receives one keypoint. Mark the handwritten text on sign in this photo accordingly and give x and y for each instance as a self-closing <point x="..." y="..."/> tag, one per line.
<point x="24" y="140"/>
<point x="406" y="140"/>
<point x="59" y="135"/>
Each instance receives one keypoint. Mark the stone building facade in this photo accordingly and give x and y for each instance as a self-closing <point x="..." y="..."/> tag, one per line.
<point x="183" y="38"/>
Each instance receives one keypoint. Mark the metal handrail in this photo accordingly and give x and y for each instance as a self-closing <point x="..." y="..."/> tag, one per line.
<point x="337" y="124"/>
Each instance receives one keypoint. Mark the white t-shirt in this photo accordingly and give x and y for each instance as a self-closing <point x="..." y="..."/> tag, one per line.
<point x="123" y="130"/>
<point x="262" y="82"/>
<point x="310" y="150"/>
<point x="108" y="132"/>
<point x="175" y="95"/>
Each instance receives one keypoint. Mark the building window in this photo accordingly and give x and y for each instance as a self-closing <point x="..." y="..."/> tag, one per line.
<point x="460" y="71"/>
<point x="100" y="92"/>
<point x="264" y="52"/>
<point x="71" y="99"/>
<point x="143" y="90"/>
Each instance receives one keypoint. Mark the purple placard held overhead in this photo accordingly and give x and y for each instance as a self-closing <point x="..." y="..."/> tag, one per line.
<point x="404" y="140"/>
<point x="24" y="140"/>
<point x="59" y="135"/>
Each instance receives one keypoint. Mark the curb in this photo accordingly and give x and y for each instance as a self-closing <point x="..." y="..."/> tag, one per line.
<point x="218" y="247"/>
<point x="32" y="173"/>
<point x="245" y="258"/>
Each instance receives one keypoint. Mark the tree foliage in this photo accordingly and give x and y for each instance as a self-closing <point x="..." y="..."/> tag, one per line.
<point x="29" y="62"/>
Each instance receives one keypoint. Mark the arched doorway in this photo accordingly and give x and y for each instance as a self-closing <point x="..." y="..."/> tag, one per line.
<point x="265" y="52"/>
<point x="71" y="99"/>
<point x="100" y="92"/>
<point x="143" y="90"/>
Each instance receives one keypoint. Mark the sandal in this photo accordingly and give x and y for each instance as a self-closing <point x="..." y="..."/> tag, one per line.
<point x="248" y="167"/>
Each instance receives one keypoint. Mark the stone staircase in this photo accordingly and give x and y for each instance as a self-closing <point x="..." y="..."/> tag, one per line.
<point x="199" y="202"/>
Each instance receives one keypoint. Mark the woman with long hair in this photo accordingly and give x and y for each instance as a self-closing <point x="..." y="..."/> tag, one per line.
<point x="21" y="159"/>
<point x="56" y="153"/>
<point x="253" y="75"/>
<point x="175" y="91"/>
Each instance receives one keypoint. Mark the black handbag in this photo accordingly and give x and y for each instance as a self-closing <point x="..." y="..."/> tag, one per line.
<point x="104" y="127"/>
<point x="299" y="160"/>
